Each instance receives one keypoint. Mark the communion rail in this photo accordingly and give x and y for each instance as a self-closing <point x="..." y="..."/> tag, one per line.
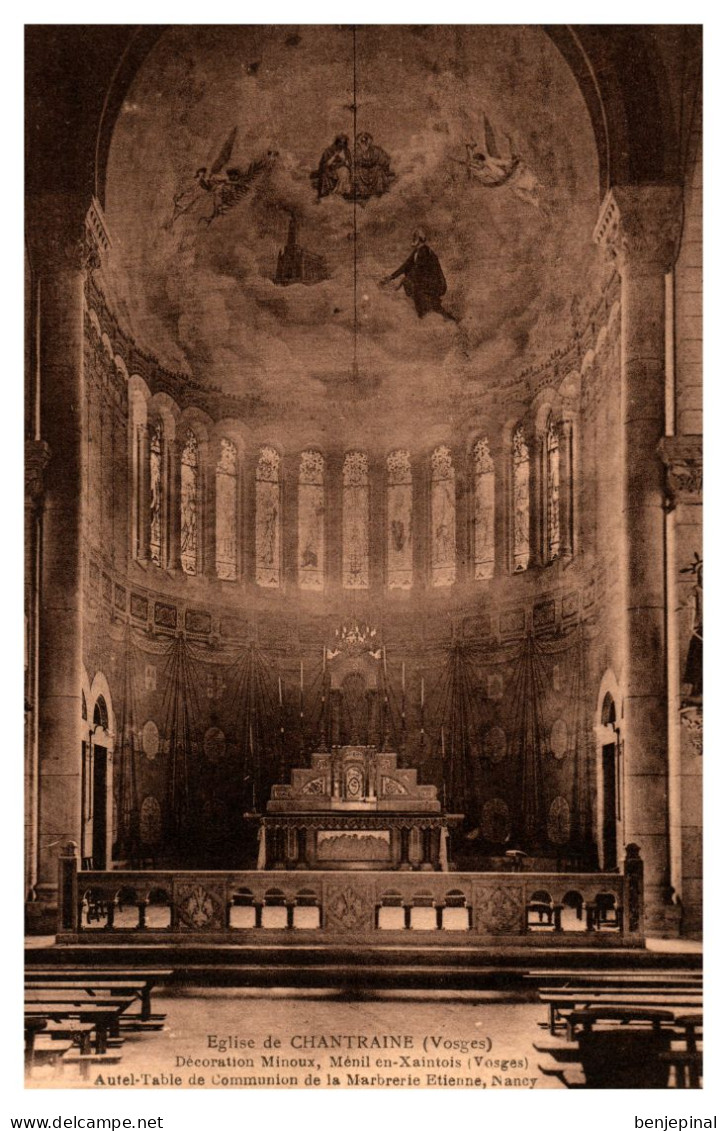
<point x="535" y="908"/>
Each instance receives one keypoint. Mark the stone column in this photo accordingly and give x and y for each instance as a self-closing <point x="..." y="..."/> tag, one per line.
<point x="639" y="226"/>
<point x="64" y="254"/>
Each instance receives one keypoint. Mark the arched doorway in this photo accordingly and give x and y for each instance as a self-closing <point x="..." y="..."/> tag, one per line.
<point x="97" y="782"/>
<point x="609" y="783"/>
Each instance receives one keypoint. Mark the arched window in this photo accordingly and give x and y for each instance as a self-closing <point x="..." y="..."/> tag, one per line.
<point x="311" y="521"/>
<point x="155" y="494"/>
<point x="267" y="519"/>
<point x="520" y="501"/>
<point x="356" y="521"/>
<point x="399" y="520"/>
<point x="189" y="503"/>
<point x="552" y="491"/>
<point x="101" y="713"/>
<point x="484" y="511"/>
<point x="226" y="512"/>
<point x="443" y="548"/>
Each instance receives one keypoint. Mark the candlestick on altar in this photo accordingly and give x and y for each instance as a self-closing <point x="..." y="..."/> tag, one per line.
<point x="403" y="677"/>
<point x="301" y="676"/>
<point x="280" y="691"/>
<point x="422" y="695"/>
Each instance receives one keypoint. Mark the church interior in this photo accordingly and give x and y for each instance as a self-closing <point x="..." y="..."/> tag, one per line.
<point x="363" y="547"/>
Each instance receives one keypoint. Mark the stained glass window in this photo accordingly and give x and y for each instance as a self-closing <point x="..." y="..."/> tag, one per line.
<point x="552" y="455"/>
<point x="484" y="508"/>
<point x="399" y="521"/>
<point x="311" y="521"/>
<point x="443" y="548"/>
<point x="155" y="495"/>
<point x="189" y="502"/>
<point x="226" y="512"/>
<point x="267" y="519"/>
<point x="520" y="501"/>
<point x="356" y="521"/>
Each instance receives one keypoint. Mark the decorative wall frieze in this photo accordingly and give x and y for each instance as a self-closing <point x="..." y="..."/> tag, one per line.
<point x="682" y="457"/>
<point x="639" y="226"/>
<point x="37" y="455"/>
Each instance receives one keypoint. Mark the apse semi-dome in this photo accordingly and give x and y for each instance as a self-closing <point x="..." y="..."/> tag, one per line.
<point x="264" y="184"/>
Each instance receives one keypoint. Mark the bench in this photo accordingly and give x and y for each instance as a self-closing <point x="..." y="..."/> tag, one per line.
<point x="104" y="1018"/>
<point x="561" y="1000"/>
<point x="627" y="1055"/>
<point x="92" y="988"/>
<point x="150" y="976"/>
<point x="79" y="1034"/>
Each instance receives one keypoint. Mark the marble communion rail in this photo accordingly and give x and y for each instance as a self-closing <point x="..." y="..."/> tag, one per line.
<point x="249" y="907"/>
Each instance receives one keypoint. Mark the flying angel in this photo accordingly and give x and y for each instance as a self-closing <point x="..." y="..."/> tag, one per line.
<point x="222" y="185"/>
<point x="491" y="169"/>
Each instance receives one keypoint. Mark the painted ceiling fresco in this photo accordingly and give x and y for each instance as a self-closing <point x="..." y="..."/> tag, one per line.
<point x="264" y="185"/>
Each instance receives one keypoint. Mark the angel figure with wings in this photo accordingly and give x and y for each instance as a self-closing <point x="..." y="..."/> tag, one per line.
<point x="486" y="165"/>
<point x="221" y="185"/>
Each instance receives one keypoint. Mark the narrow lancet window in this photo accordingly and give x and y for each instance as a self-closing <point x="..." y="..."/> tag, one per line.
<point x="226" y="512"/>
<point x="267" y="519"/>
<point x="443" y="547"/>
<point x="399" y="521"/>
<point x="189" y="502"/>
<point x="155" y="495"/>
<point x="520" y="501"/>
<point x="484" y="511"/>
<point x="311" y="521"/>
<point x="552" y="455"/>
<point x="356" y="521"/>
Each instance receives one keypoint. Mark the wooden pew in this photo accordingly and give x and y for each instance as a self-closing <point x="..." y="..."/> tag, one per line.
<point x="103" y="1017"/>
<point x="80" y="1034"/>
<point x="33" y="1026"/>
<point x="627" y="1054"/>
<point x="151" y="976"/>
<point x="93" y="989"/>
<point x="563" y="1001"/>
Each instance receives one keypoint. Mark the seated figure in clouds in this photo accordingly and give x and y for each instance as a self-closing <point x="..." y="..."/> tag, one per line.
<point x="371" y="173"/>
<point x="333" y="175"/>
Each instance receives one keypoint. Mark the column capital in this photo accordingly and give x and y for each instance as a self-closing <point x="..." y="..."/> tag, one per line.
<point x="682" y="457"/>
<point x="640" y="226"/>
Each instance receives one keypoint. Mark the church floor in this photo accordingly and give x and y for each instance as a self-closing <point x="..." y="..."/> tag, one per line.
<point x="435" y="1039"/>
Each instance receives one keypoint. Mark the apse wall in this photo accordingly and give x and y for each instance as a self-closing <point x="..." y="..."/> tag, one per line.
<point x="220" y="683"/>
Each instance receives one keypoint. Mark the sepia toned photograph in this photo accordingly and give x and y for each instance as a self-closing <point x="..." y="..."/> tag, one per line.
<point x="363" y="557"/>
